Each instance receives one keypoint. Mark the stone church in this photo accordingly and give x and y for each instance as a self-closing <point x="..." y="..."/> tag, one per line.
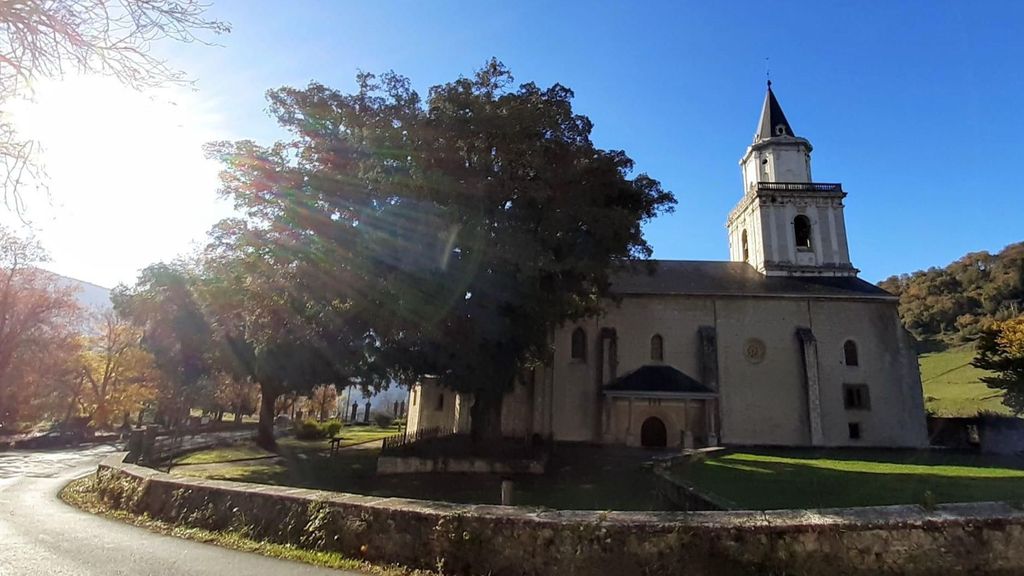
<point x="781" y="345"/>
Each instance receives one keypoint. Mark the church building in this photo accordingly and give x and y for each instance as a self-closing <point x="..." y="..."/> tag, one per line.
<point x="781" y="345"/>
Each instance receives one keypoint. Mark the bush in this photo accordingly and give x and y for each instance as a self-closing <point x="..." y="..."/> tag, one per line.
<point x="313" y="430"/>
<point x="383" y="420"/>
<point x="331" y="428"/>
<point x="309" y="430"/>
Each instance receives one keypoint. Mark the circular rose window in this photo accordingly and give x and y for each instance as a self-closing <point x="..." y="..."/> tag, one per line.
<point x="754" y="351"/>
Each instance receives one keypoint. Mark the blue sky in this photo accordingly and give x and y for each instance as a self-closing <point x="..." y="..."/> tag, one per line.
<point x="913" y="106"/>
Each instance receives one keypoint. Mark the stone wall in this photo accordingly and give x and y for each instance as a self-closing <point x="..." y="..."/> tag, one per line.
<point x="985" y="538"/>
<point x="416" y="465"/>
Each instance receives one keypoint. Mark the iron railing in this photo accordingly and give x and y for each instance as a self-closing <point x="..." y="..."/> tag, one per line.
<point x="800" y="186"/>
<point x="397" y="441"/>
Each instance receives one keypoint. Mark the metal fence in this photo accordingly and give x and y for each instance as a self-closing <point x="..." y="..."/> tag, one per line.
<point x="397" y="441"/>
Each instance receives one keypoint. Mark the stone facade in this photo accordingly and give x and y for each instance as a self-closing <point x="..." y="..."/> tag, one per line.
<point x="783" y="345"/>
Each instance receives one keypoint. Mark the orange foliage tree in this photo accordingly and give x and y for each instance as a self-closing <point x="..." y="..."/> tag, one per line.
<point x="39" y="318"/>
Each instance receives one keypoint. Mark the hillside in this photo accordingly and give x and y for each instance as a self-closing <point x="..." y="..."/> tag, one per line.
<point x="952" y="386"/>
<point x="951" y="305"/>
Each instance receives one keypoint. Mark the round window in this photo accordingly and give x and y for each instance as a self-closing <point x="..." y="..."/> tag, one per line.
<point x="754" y="351"/>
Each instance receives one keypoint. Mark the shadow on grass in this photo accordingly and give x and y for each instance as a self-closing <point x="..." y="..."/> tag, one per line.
<point x="578" y="478"/>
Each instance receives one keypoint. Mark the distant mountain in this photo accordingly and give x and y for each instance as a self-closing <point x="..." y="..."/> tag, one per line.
<point x="90" y="296"/>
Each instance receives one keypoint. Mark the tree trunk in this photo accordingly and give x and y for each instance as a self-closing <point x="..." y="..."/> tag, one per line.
<point x="486" y="415"/>
<point x="265" y="428"/>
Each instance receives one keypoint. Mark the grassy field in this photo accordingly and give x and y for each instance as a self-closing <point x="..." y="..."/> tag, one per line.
<point x="770" y="479"/>
<point x="951" y="384"/>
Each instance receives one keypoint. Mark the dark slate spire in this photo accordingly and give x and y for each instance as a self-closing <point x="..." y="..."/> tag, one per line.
<point x="773" y="121"/>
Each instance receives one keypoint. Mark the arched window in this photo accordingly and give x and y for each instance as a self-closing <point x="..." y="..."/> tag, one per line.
<point x="746" y="247"/>
<point x="440" y="402"/>
<point x="850" y="353"/>
<point x="579" y="344"/>
<point x="657" y="348"/>
<point x="802" y="231"/>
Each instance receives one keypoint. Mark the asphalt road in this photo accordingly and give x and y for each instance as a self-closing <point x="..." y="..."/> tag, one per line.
<point x="42" y="536"/>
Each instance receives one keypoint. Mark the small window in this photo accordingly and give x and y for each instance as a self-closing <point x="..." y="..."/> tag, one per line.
<point x="414" y="393"/>
<point x="854" y="428"/>
<point x="657" y="348"/>
<point x="746" y="247"/>
<point x="856" y="397"/>
<point x="802" y="231"/>
<point x="579" y="344"/>
<point x="440" y="402"/>
<point x="850" y="353"/>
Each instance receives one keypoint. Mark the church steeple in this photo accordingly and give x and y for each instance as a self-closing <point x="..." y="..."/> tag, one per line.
<point x="773" y="122"/>
<point x="786" y="224"/>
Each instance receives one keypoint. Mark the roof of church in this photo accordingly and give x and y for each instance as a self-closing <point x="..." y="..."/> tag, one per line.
<point x="771" y="118"/>
<point x="711" y="278"/>
<point x="657" y="378"/>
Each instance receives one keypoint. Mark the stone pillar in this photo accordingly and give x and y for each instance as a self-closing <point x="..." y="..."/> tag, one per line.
<point x="134" y="446"/>
<point x="810" y="350"/>
<point x="709" y="406"/>
<point x="687" y="440"/>
<point x="506" y="492"/>
<point x="355" y="411"/>
<point x="366" y="413"/>
<point x="629" y="421"/>
<point x="148" y="455"/>
<point x="708" y="356"/>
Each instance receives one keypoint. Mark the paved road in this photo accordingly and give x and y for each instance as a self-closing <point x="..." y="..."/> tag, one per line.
<point x="42" y="536"/>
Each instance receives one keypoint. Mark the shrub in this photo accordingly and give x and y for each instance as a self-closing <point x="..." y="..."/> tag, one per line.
<point x="331" y="428"/>
<point x="309" y="430"/>
<point x="383" y="420"/>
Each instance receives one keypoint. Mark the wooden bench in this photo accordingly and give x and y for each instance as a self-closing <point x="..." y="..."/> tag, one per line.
<point x="335" y="445"/>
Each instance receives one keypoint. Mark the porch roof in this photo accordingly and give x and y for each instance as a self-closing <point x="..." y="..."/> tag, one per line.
<point x="657" y="380"/>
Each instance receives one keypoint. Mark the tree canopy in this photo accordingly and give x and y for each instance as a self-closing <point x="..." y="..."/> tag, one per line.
<point x="956" y="303"/>
<point x="447" y="236"/>
<point x="1001" y="350"/>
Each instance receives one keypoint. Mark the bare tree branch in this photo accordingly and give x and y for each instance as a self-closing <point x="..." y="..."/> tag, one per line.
<point x="52" y="38"/>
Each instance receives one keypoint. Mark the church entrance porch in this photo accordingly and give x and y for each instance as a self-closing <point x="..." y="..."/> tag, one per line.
<point x="653" y="434"/>
<point x="659" y="406"/>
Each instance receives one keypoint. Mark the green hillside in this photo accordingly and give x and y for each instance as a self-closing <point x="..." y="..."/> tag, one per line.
<point x="952" y="387"/>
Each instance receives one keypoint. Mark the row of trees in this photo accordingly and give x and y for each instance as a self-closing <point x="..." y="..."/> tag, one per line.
<point x="392" y="236"/>
<point x="60" y="361"/>
<point x="956" y="303"/>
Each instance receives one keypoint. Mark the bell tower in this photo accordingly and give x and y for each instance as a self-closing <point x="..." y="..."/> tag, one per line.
<point x="786" y="224"/>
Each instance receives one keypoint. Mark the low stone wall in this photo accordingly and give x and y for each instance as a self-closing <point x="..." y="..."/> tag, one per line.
<point x="510" y="541"/>
<point x="414" y="465"/>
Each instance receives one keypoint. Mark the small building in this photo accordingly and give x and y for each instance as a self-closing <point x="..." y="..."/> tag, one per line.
<point x="781" y="345"/>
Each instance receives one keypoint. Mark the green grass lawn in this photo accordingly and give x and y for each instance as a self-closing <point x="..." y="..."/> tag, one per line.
<point x="770" y="479"/>
<point x="578" y="478"/>
<point x="952" y="386"/>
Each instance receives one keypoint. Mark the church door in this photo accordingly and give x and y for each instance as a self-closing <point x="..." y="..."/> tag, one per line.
<point x="653" y="434"/>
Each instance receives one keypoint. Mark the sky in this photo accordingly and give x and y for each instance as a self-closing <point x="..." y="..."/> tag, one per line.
<point x="912" y="106"/>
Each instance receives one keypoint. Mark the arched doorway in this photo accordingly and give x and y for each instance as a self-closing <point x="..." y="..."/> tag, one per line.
<point x="653" y="434"/>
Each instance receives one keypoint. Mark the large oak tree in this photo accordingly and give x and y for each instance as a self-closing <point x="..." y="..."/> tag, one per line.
<point x="460" y="229"/>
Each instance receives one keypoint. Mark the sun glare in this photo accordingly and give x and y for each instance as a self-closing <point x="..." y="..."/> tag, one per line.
<point x="128" y="183"/>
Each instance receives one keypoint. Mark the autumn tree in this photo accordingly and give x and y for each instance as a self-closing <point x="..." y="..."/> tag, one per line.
<point x="38" y="322"/>
<point x="460" y="230"/>
<point x="117" y="373"/>
<point x="267" y="326"/>
<point x="237" y="395"/>
<point x="174" y="331"/>
<point x="1000" y="349"/>
<point x="52" y="38"/>
<point x="323" y="400"/>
